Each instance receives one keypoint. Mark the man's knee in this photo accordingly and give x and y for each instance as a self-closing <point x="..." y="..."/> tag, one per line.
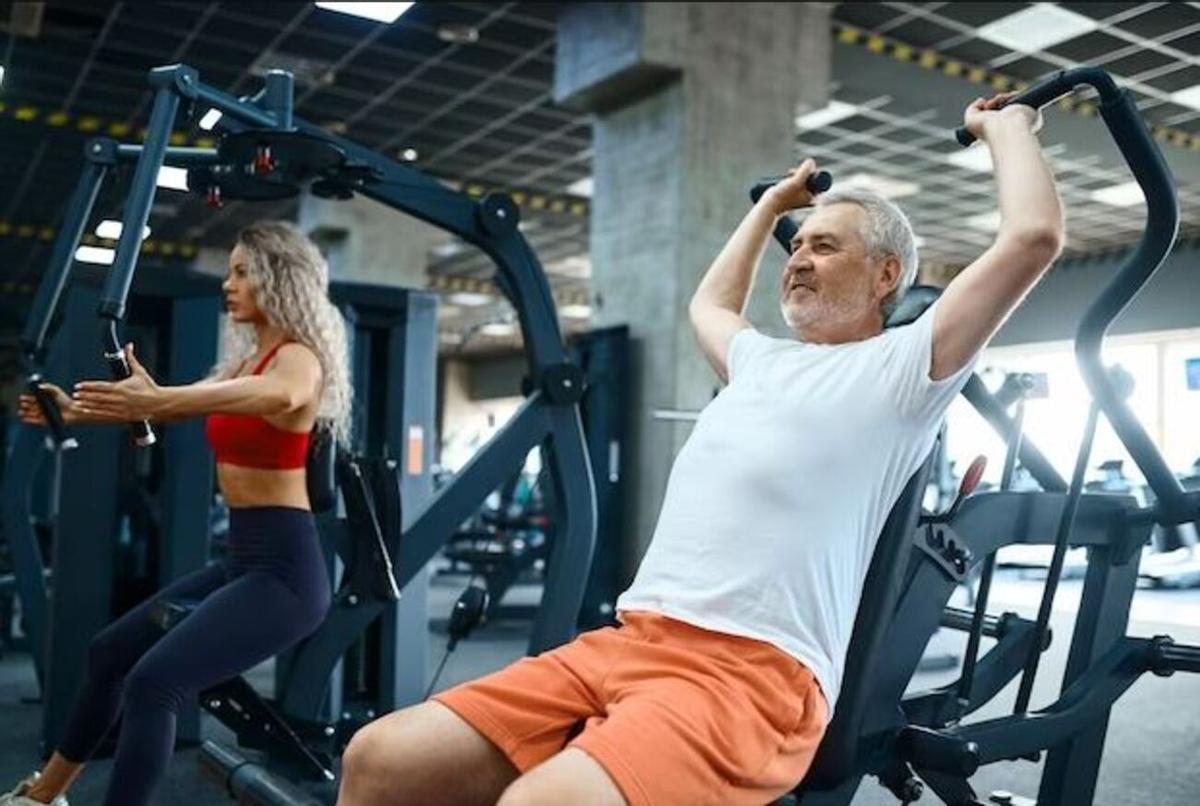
<point x="424" y="754"/>
<point x="374" y="751"/>
<point x="522" y="792"/>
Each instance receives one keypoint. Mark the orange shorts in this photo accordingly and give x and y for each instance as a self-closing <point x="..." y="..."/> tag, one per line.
<point x="674" y="713"/>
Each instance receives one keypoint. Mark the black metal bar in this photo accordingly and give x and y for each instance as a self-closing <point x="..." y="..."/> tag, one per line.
<point x="49" y="293"/>
<point x="998" y="666"/>
<point x="1162" y="221"/>
<point x="236" y="108"/>
<point x="984" y="402"/>
<point x="1056" y="563"/>
<point x="971" y="653"/>
<point x="137" y="207"/>
<point x="459" y="499"/>
<point x="1093" y="693"/>
<point x="1069" y="773"/>
<point x="1179" y="657"/>
<point x="179" y="156"/>
<point x="1049" y="89"/>
<point x="277" y="97"/>
<point x="956" y="618"/>
<point x="25" y="452"/>
<point x="574" y="537"/>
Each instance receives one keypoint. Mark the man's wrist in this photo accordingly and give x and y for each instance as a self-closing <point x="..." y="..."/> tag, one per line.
<point x="1005" y="126"/>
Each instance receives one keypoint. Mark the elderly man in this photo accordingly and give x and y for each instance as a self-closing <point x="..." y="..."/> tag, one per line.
<point x="719" y="682"/>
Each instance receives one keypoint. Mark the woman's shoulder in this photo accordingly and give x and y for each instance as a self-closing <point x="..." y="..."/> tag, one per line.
<point x="297" y="354"/>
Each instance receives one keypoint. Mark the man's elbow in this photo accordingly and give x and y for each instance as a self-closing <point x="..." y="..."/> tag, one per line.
<point x="1037" y="245"/>
<point x="697" y="309"/>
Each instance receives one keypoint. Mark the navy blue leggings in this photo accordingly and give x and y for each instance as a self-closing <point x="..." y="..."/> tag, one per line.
<point x="271" y="591"/>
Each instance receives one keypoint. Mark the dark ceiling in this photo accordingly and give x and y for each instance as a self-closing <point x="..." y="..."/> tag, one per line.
<point x="481" y="113"/>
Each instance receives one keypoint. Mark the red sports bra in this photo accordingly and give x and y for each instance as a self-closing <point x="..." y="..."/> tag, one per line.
<point x="248" y="440"/>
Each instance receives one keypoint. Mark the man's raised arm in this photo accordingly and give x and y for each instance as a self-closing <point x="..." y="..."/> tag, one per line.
<point x="1030" y="237"/>
<point x="717" y="308"/>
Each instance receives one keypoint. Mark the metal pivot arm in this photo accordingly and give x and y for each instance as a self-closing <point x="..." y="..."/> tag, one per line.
<point x="54" y="281"/>
<point x="137" y="211"/>
<point x="49" y="293"/>
<point x="993" y="672"/>
<point x="1146" y="162"/>
<point x="1065" y="526"/>
<point x="1048" y="90"/>
<point x="489" y="224"/>
<point x="984" y="402"/>
<point x="1092" y="694"/>
<point x="1162" y="221"/>
<point x="1021" y="386"/>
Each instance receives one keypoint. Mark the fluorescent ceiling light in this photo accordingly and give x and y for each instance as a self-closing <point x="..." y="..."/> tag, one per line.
<point x="976" y="158"/>
<point x="581" y="187"/>
<point x="1189" y="97"/>
<point x="2" y="71"/>
<point x="472" y="299"/>
<point x="988" y="222"/>
<point x="112" y="230"/>
<point x="832" y="113"/>
<point x="575" y="311"/>
<point x="448" y="249"/>
<point x="210" y="119"/>
<point x="497" y="329"/>
<point x="381" y="12"/>
<point x="95" y="254"/>
<point x="172" y="178"/>
<point x="883" y="185"/>
<point x="1126" y="194"/>
<point x="1038" y="27"/>
<point x="576" y="266"/>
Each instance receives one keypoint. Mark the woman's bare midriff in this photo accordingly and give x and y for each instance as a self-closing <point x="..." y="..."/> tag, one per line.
<point x="254" y="487"/>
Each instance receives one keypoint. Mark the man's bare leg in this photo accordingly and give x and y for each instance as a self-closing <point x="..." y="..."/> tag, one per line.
<point x="572" y="777"/>
<point x="421" y="755"/>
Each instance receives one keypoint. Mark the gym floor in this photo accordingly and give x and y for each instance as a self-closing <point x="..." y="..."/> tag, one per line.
<point x="1148" y="759"/>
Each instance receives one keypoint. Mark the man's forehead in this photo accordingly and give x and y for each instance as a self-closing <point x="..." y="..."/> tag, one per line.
<point x="836" y="219"/>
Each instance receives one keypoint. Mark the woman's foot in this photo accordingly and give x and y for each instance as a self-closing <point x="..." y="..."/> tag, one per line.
<point x="19" y="795"/>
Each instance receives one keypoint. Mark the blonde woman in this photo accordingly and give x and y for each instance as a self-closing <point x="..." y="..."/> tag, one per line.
<point x="283" y="374"/>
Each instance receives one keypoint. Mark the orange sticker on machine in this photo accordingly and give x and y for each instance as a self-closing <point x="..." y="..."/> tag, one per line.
<point x="416" y="450"/>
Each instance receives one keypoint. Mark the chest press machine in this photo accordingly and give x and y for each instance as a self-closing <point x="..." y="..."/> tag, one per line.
<point x="913" y="741"/>
<point x="266" y="153"/>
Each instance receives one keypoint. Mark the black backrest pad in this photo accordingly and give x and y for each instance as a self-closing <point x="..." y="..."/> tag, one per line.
<point x="320" y="471"/>
<point x="835" y="758"/>
<point x="914" y="303"/>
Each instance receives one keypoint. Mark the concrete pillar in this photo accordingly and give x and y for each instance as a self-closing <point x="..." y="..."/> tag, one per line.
<point x="368" y="242"/>
<point x="691" y="103"/>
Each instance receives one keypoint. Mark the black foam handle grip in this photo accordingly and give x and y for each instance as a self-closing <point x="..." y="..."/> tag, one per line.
<point x="1044" y="92"/>
<point x="118" y="367"/>
<point x="819" y="182"/>
<point x="54" y="419"/>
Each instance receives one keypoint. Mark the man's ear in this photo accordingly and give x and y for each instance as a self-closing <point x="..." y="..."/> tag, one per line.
<point x="889" y="276"/>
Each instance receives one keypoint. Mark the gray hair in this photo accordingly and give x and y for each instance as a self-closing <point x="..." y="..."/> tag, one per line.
<point x="887" y="232"/>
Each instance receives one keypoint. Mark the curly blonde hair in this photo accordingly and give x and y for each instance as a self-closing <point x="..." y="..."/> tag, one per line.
<point x="290" y="281"/>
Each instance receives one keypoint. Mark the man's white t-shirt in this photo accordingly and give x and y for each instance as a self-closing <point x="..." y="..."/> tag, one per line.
<point x="776" y="500"/>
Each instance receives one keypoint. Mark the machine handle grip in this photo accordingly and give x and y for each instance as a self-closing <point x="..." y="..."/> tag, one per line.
<point x="819" y="182"/>
<point x="118" y="367"/>
<point x="54" y="419"/>
<point x="1044" y="92"/>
